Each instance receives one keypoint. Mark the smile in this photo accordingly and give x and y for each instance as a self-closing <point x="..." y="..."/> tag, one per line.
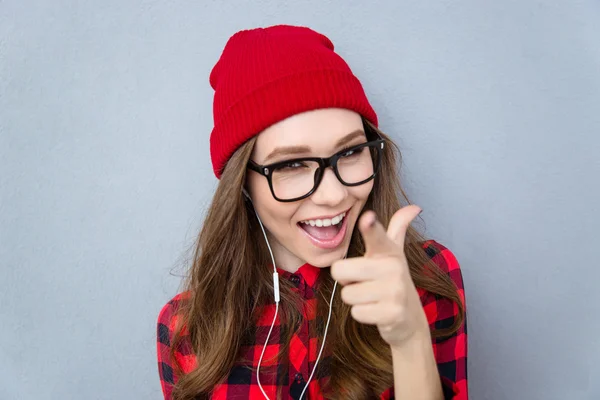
<point x="325" y="233"/>
<point x="325" y="221"/>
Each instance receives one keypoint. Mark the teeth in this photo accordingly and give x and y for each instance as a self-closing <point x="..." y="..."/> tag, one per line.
<point x="325" y="222"/>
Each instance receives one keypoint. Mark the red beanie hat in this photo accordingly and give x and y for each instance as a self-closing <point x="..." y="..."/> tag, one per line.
<point x="265" y="75"/>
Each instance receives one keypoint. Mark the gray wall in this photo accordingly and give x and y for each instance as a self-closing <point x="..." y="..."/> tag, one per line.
<point x="105" y="111"/>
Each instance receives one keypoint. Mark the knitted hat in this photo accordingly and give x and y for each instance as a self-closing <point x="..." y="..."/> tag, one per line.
<point x="265" y="75"/>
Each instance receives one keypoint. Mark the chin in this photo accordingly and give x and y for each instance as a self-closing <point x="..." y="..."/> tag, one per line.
<point x="325" y="260"/>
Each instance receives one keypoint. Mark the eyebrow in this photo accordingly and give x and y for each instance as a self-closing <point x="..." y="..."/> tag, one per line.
<point x="296" y="150"/>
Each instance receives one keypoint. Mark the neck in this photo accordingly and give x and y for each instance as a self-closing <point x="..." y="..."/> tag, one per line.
<point x="284" y="259"/>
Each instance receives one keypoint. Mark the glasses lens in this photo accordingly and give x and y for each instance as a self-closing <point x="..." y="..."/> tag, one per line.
<point x="294" y="179"/>
<point x="357" y="165"/>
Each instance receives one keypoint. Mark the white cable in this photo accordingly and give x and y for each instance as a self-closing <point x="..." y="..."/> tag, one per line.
<point x="263" y="352"/>
<point x="276" y="293"/>
<point x="322" y="344"/>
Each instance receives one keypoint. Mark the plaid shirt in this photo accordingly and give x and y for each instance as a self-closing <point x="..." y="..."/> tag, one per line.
<point x="450" y="353"/>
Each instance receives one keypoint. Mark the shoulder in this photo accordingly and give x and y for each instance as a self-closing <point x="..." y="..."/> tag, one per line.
<point x="168" y="313"/>
<point x="440" y="309"/>
<point x="450" y="343"/>
<point x="168" y="319"/>
<point x="445" y="259"/>
<point x="166" y="323"/>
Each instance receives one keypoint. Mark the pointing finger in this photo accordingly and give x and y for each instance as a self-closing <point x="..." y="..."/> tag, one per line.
<point x="377" y="242"/>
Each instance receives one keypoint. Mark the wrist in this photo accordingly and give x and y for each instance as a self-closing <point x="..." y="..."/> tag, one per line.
<point x="420" y="340"/>
<point x="415" y="368"/>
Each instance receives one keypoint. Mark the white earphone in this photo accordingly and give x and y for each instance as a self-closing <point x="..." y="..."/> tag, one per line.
<point x="276" y="295"/>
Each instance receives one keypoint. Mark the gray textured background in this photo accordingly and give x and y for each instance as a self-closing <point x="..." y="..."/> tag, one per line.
<point x="105" y="111"/>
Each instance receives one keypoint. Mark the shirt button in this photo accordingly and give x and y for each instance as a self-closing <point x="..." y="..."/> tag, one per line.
<point x="295" y="279"/>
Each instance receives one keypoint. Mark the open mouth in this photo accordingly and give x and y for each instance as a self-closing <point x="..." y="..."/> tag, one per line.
<point x="325" y="233"/>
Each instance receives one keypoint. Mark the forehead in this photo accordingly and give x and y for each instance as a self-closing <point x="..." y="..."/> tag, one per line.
<point x="318" y="129"/>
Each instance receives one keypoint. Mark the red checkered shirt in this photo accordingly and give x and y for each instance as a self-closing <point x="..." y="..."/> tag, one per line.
<point x="450" y="352"/>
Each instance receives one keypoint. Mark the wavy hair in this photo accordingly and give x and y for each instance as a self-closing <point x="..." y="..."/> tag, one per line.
<point x="216" y="314"/>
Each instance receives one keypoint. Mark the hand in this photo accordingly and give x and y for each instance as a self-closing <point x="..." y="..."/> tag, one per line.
<point x="378" y="285"/>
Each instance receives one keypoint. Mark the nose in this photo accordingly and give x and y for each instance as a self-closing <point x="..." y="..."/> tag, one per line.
<point x="331" y="191"/>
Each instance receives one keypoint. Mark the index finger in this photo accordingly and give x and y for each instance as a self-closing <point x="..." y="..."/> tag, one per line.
<point x="377" y="242"/>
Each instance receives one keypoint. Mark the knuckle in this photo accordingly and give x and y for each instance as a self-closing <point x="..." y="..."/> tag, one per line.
<point x="364" y="268"/>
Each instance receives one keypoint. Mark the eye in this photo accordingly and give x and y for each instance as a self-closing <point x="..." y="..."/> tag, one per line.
<point x="292" y="165"/>
<point x="351" y="152"/>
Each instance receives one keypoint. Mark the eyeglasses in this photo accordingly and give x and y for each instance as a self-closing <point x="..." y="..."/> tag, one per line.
<point x="296" y="179"/>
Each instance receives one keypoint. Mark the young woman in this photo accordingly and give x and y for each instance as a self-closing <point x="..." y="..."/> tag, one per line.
<point x="308" y="280"/>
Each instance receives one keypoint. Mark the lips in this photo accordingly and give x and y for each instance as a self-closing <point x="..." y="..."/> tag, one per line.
<point x="326" y="237"/>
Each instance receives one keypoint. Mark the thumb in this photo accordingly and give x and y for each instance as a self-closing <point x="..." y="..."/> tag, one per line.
<point x="400" y="222"/>
<point x="374" y="235"/>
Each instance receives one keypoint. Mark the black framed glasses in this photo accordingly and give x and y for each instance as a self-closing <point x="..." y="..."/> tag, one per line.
<point x="298" y="178"/>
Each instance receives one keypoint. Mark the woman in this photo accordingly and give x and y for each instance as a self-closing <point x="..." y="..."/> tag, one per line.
<point x="307" y="184"/>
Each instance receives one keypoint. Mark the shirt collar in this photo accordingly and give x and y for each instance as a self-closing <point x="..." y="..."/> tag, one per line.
<point x="305" y="278"/>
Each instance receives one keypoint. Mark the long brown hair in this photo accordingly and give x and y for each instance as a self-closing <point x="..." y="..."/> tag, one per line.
<point x="216" y="314"/>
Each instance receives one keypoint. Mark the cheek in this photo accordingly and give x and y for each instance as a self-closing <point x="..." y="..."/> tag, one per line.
<point x="362" y="192"/>
<point x="260" y="192"/>
<point x="275" y="215"/>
